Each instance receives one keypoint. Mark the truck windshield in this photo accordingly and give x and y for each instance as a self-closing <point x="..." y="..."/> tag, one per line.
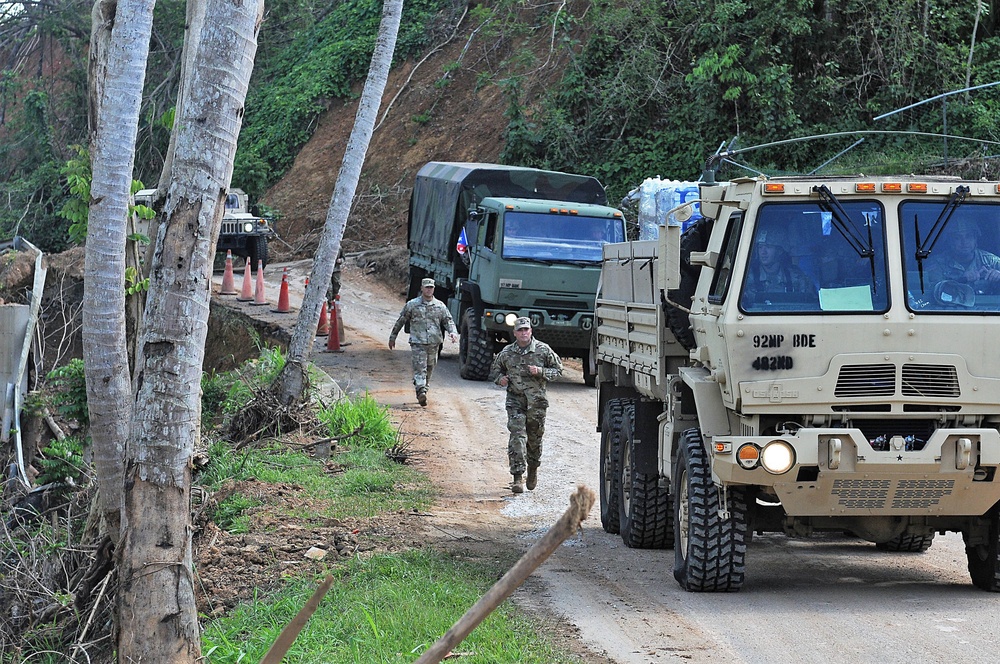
<point x="800" y="263"/>
<point x="558" y="237"/>
<point x="961" y="271"/>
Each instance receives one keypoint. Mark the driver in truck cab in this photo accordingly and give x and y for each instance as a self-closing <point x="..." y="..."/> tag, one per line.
<point x="772" y="270"/>
<point x="963" y="261"/>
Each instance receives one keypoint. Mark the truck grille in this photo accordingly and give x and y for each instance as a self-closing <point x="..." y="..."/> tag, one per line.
<point x="232" y="227"/>
<point x="937" y="381"/>
<point x="879" y="494"/>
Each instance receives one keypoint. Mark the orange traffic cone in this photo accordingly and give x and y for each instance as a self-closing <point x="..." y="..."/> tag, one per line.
<point x="340" y="321"/>
<point x="323" y="328"/>
<point x="283" y="307"/>
<point x="228" y="286"/>
<point x="333" y="339"/>
<point x="258" y="291"/>
<point x="246" y="295"/>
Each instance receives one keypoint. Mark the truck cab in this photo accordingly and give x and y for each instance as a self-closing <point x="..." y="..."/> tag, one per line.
<point x="813" y="355"/>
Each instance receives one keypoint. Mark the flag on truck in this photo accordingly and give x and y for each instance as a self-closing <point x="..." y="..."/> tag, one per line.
<point x="463" y="243"/>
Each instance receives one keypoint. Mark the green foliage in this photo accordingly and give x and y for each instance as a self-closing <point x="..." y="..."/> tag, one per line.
<point x="365" y="414"/>
<point x="61" y="459"/>
<point x="230" y="514"/>
<point x="70" y="395"/>
<point x="322" y="62"/>
<point x="133" y="283"/>
<point x="387" y="608"/>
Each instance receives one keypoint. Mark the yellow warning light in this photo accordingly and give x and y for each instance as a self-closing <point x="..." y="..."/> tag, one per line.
<point x="892" y="187"/>
<point x="917" y="187"/>
<point x="864" y="187"/>
<point x="774" y="188"/>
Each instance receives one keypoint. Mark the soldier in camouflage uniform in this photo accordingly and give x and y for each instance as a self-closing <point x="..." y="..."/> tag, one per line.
<point x="429" y="319"/>
<point x="524" y="367"/>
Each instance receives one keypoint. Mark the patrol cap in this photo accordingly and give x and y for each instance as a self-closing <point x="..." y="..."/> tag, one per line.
<point x="521" y="323"/>
<point x="427" y="282"/>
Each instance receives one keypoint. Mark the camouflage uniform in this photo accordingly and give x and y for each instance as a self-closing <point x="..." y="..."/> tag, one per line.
<point x="526" y="401"/>
<point x="429" y="321"/>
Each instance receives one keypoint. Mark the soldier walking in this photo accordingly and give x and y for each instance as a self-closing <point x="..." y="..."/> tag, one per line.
<point x="524" y="368"/>
<point x="429" y="320"/>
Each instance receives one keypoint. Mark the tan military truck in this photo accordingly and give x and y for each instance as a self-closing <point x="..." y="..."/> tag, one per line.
<point x="815" y="354"/>
<point x="243" y="232"/>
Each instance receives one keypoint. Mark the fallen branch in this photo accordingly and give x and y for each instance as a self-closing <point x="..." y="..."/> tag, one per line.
<point x="287" y="637"/>
<point x="579" y="506"/>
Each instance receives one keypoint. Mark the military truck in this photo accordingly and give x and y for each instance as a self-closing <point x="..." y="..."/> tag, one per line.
<point x="847" y="385"/>
<point x="505" y="241"/>
<point x="243" y="232"/>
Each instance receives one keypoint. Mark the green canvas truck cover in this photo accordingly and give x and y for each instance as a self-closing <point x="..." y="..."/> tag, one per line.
<point x="444" y="192"/>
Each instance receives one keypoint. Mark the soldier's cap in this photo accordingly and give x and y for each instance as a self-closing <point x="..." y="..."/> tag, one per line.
<point x="521" y="323"/>
<point x="427" y="282"/>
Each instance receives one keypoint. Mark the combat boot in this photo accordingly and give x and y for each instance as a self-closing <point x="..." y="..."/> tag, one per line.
<point x="532" y="478"/>
<point x="422" y="398"/>
<point x="517" y="486"/>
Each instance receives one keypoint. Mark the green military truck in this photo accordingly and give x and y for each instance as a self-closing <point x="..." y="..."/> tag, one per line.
<point x="851" y="385"/>
<point x="503" y="242"/>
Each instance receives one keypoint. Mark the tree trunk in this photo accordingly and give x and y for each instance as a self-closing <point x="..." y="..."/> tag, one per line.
<point x="156" y="598"/>
<point x="291" y="384"/>
<point x="120" y="46"/>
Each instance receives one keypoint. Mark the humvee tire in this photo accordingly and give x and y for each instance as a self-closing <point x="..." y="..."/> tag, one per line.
<point x="709" y="552"/>
<point x="907" y="543"/>
<point x="474" y="353"/>
<point x="611" y="430"/>
<point x="984" y="560"/>
<point x="646" y="519"/>
<point x="257" y="248"/>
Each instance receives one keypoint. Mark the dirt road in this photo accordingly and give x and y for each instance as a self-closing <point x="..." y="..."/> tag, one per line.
<point x="827" y="599"/>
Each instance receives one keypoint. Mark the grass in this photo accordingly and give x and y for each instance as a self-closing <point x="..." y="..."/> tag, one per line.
<point x="381" y="608"/>
<point x="385" y="609"/>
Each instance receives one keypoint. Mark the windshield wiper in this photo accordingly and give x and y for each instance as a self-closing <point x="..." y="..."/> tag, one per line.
<point x="925" y="247"/>
<point x="847" y="228"/>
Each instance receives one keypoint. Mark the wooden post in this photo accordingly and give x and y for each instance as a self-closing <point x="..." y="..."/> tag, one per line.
<point x="579" y="506"/>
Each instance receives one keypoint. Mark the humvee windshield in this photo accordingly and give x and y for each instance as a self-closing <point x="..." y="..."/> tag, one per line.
<point x="801" y="262"/>
<point x="558" y="237"/>
<point x="961" y="271"/>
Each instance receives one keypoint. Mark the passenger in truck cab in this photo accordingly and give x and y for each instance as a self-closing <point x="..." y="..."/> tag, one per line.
<point x="772" y="270"/>
<point x="961" y="259"/>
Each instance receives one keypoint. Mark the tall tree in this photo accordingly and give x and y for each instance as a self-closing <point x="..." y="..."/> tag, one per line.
<point x="120" y="43"/>
<point x="291" y="384"/>
<point x="158" y="619"/>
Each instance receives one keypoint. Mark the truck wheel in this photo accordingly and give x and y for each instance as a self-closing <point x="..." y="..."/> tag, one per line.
<point x="984" y="559"/>
<point x="474" y="353"/>
<point x="709" y="551"/>
<point x="611" y="431"/>
<point x="907" y="543"/>
<point x="645" y="514"/>
<point x="258" y="251"/>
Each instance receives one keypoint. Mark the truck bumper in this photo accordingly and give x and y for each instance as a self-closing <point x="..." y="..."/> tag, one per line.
<point x="837" y="472"/>
<point x="559" y="330"/>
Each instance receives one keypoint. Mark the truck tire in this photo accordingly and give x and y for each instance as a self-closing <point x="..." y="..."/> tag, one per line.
<point x="694" y="238"/>
<point x="907" y="543"/>
<point x="257" y="248"/>
<point x="984" y="559"/>
<point x="709" y="551"/>
<point x="645" y="513"/>
<point x="611" y="431"/>
<point x="474" y="353"/>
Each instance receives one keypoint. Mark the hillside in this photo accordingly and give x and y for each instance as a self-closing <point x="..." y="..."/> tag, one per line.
<point x="435" y="109"/>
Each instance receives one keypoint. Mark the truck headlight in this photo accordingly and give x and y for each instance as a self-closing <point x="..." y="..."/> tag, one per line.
<point x="777" y="457"/>
<point x="248" y="227"/>
<point x="510" y="319"/>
